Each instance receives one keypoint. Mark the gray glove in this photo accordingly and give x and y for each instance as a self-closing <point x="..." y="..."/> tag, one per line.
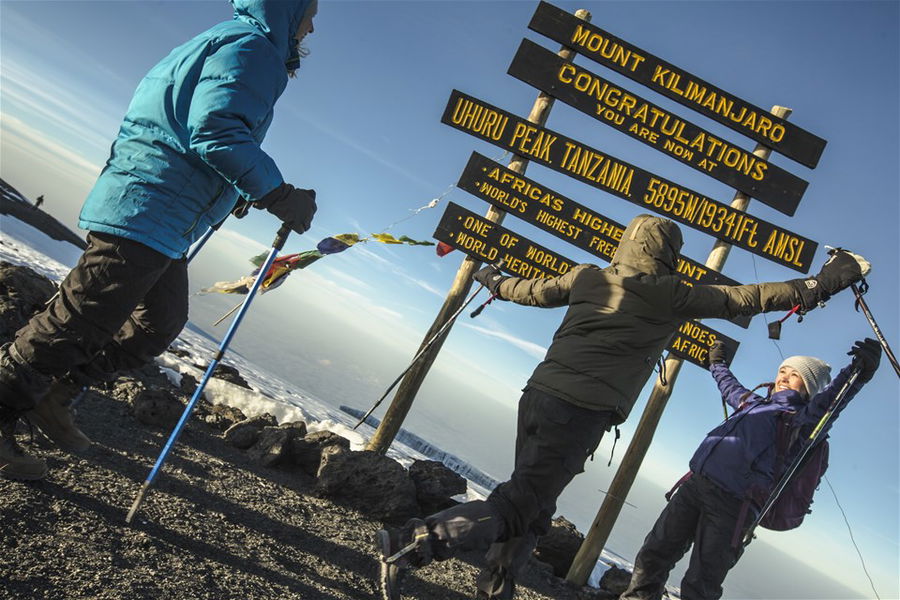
<point x="294" y="207"/>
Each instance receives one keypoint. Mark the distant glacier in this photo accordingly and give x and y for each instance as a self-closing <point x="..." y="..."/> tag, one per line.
<point x="450" y="461"/>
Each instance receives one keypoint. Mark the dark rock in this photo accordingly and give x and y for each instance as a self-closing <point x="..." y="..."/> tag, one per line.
<point x="559" y="546"/>
<point x="369" y="482"/>
<point x="22" y="293"/>
<point x="275" y="444"/>
<point x="615" y="581"/>
<point x="231" y="375"/>
<point x="435" y="484"/>
<point x="179" y="352"/>
<point x="244" y="434"/>
<point x="157" y="407"/>
<point x="308" y="451"/>
<point x="222" y="416"/>
<point x="188" y="384"/>
<point x="589" y="593"/>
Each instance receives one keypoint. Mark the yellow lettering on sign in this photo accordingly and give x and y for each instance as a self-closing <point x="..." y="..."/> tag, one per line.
<point x="475" y="224"/>
<point x="784" y="246"/>
<point x="691" y="271"/>
<point x="561" y="225"/>
<point x="711" y="100"/>
<point x="596" y="167"/>
<point x="608" y="49"/>
<point x="479" y="119"/>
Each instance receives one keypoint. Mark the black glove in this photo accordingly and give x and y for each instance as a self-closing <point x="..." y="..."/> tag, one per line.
<point x="294" y="207"/>
<point x="840" y="270"/>
<point x="866" y="356"/>
<point x="490" y="278"/>
<point x="717" y="353"/>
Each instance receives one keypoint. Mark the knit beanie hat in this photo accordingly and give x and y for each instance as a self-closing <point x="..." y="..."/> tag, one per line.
<point x="816" y="373"/>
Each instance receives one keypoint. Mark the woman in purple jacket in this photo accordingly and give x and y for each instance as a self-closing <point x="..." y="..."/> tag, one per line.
<point x="732" y="471"/>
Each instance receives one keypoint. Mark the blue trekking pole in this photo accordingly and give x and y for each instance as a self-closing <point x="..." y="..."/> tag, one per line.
<point x="277" y="245"/>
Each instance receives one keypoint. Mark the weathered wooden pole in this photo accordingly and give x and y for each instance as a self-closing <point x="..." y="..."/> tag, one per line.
<point x="597" y="536"/>
<point x="409" y="387"/>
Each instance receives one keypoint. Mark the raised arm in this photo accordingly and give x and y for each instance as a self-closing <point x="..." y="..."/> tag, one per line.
<point x="731" y="389"/>
<point x="546" y="292"/>
<point x="866" y="358"/>
<point x="723" y="301"/>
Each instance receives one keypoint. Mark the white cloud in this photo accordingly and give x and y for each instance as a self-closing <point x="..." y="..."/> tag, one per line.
<point x="52" y="156"/>
<point x="529" y="348"/>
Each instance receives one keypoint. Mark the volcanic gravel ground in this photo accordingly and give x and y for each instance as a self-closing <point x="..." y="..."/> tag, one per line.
<point x="215" y="525"/>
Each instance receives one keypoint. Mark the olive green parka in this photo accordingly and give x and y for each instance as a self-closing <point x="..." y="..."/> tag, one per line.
<point x="621" y="318"/>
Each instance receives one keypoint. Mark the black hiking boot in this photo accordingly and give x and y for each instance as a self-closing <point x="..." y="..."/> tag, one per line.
<point x="54" y="418"/>
<point x="14" y="462"/>
<point x="399" y="551"/>
<point x="495" y="583"/>
<point x="21" y="387"/>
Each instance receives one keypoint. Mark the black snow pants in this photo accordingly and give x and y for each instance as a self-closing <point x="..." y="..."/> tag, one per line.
<point x="121" y="305"/>
<point x="700" y="514"/>
<point x="554" y="439"/>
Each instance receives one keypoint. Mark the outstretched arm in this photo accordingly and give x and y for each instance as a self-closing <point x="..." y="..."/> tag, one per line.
<point x="866" y="358"/>
<point x="546" y="292"/>
<point x="722" y="301"/>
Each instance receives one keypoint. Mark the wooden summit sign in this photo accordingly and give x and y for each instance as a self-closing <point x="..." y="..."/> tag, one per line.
<point x="657" y="127"/>
<point x="566" y="219"/>
<point x="626" y="181"/>
<point x="487" y="241"/>
<point x="677" y="84"/>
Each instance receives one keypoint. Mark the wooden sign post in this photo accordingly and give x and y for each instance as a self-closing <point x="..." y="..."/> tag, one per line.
<point x="409" y="387"/>
<point x="598" y="534"/>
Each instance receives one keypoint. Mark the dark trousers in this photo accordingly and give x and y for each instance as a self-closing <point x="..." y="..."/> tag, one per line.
<point x="554" y="439"/>
<point x="700" y="514"/>
<point x="121" y="305"/>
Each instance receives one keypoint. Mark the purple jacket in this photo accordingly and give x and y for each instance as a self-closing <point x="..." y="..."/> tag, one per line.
<point x="739" y="454"/>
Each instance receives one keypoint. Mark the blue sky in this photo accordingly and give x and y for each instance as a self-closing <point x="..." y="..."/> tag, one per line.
<point x="361" y="125"/>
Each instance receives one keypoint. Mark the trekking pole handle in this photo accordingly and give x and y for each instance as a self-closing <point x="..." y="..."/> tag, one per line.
<point x="281" y="237"/>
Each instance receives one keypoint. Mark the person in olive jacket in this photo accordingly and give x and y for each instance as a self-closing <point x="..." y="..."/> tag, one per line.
<point x="618" y="322"/>
<point x="188" y="148"/>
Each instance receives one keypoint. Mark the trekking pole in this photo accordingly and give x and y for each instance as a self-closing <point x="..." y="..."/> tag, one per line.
<point x="795" y="464"/>
<point x="420" y="354"/>
<point x="434" y="338"/>
<point x="277" y="245"/>
<point x="858" y="291"/>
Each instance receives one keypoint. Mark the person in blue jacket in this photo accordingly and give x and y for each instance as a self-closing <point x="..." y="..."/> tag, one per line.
<point x="732" y="471"/>
<point x="187" y="150"/>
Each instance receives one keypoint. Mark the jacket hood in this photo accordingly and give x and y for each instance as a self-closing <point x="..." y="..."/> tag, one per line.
<point x="278" y="20"/>
<point x="650" y="245"/>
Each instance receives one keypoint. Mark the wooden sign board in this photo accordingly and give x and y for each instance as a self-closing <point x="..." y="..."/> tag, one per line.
<point x="565" y="218"/>
<point x="486" y="241"/>
<point x="677" y="84"/>
<point x="607" y="173"/>
<point x="661" y="129"/>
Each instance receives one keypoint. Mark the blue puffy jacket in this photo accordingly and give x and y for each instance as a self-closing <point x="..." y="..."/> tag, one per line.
<point x="739" y="455"/>
<point x="190" y="140"/>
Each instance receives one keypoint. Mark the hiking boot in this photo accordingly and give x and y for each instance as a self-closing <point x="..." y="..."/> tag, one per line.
<point x="14" y="462"/>
<point x="20" y="385"/>
<point x="399" y="551"/>
<point x="495" y="583"/>
<point x="53" y="417"/>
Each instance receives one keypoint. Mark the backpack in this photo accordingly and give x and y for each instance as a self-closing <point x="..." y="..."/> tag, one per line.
<point x="793" y="504"/>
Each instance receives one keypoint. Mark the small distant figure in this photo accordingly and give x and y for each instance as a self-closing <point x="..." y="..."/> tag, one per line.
<point x="39" y="201"/>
